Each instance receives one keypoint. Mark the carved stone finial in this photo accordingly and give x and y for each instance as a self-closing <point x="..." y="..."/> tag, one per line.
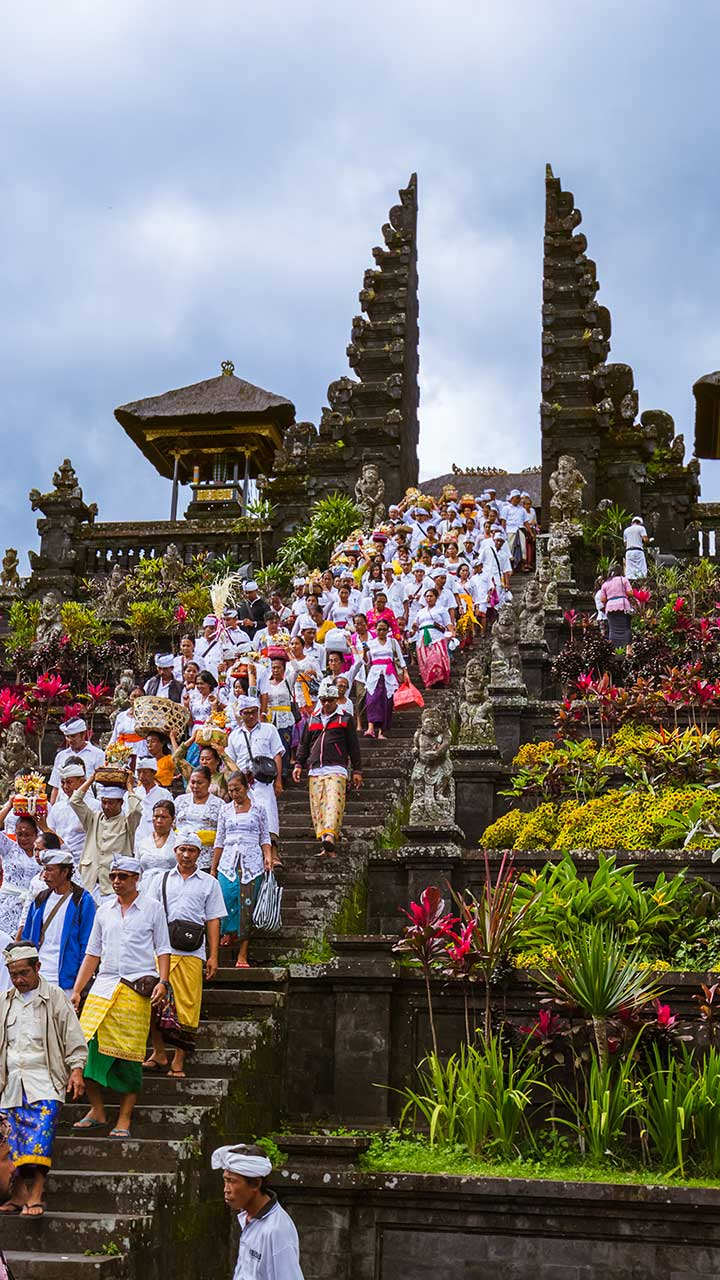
<point x="228" y="368"/>
<point x="505" y="669"/>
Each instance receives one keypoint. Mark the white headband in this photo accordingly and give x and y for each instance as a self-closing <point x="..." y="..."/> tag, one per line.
<point x="236" y="1160"/>
<point x="121" y="863"/>
<point x="24" y="951"/>
<point x="112" y="793"/>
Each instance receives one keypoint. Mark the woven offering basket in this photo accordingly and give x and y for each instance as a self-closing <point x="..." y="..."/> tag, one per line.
<point x="111" y="775"/>
<point x="161" y="714"/>
<point x="211" y="736"/>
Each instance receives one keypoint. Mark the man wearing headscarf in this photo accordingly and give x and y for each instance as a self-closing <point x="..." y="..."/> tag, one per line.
<point x="269" y="1246"/>
<point x="635" y="536"/>
<point x="130" y="943"/>
<point x="62" y="818"/>
<point x="59" y="920"/>
<point x="75" y="733"/>
<point x="163" y="684"/>
<point x="108" y="831"/>
<point x="42" y="1055"/>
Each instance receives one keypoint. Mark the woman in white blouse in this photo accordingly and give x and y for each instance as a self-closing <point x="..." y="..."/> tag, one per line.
<point x="242" y="853"/>
<point x="386" y="668"/>
<point x="155" y="851"/>
<point x="433" y="628"/>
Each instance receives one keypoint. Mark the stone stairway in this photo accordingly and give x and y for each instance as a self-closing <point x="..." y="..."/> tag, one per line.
<point x="147" y="1207"/>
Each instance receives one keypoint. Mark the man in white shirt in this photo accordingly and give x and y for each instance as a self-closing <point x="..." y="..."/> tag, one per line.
<point x="635" y="536"/>
<point x="76" y="744"/>
<point x="42" y="1054"/>
<point x="163" y="684"/>
<point x="246" y="744"/>
<point x="130" y="943"/>
<point x="233" y="633"/>
<point x="148" y="792"/>
<point x="269" y="1246"/>
<point x="516" y="518"/>
<point x="189" y="897"/>
<point x="208" y="646"/>
<point x="62" y="818"/>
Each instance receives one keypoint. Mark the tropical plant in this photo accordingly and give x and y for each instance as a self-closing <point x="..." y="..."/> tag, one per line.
<point x="671" y="1098"/>
<point x="331" y="519"/>
<point x="600" y="1107"/>
<point x="480" y="1097"/>
<point x="425" y="940"/>
<point x="601" y="976"/>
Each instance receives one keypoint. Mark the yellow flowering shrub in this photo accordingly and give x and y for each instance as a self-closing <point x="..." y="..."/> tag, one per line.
<point x="532" y="754"/>
<point x="503" y="833"/>
<point x="540" y="828"/>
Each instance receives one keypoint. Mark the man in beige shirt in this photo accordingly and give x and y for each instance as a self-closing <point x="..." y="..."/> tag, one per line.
<point x="42" y="1055"/>
<point x="108" y="832"/>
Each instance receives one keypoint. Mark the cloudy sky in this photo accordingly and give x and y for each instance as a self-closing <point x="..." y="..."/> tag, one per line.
<point x="185" y="182"/>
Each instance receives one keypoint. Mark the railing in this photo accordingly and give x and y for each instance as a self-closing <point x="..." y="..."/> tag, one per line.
<point x="104" y="546"/>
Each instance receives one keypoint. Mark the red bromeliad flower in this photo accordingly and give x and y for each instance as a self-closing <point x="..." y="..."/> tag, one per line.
<point x="665" y="1017"/>
<point x="679" y="604"/>
<point x="48" y="688"/>
<point x="98" y="692"/>
<point x="570" y="617"/>
<point x="641" y="595"/>
<point x="585" y="682"/>
<point x="74" y="711"/>
<point x="463" y="943"/>
<point x="180" y="614"/>
<point x="11" y="706"/>
<point x="548" y="1023"/>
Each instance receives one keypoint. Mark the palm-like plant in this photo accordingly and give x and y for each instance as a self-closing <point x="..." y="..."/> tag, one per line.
<point x="602" y="976"/>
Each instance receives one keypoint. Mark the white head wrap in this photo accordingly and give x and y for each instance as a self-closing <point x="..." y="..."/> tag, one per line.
<point x="187" y="837"/>
<point x="164" y="661"/>
<point x="209" y="620"/>
<point x="20" y="951"/>
<point x="147" y="762"/>
<point x="248" y="704"/>
<point x="73" y="726"/>
<point x="72" y="771"/>
<point x="58" y="858"/>
<point x="327" y="689"/>
<point x="112" y="793"/>
<point x="237" y="1160"/>
<point x="251" y="585"/>
<point x="122" y="863"/>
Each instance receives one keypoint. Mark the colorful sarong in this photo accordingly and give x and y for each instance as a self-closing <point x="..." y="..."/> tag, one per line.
<point x="114" y="1073"/>
<point x="379" y="707"/>
<point x="122" y="1023"/>
<point x="186" y="980"/>
<point x="240" y="902"/>
<point x="327" y="804"/>
<point x="32" y="1131"/>
<point x="433" y="663"/>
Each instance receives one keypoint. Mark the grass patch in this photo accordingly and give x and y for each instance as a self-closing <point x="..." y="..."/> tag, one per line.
<point x="395" y="1153"/>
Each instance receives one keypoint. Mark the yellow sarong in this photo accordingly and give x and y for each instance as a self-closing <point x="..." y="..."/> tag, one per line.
<point x="122" y="1023"/>
<point x="186" y="979"/>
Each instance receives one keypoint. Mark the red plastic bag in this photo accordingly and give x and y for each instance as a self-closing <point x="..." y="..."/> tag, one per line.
<point x="408" y="696"/>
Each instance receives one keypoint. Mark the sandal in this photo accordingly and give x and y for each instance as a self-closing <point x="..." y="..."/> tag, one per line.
<point x="27" y="1211"/>
<point x="176" y="1075"/>
<point x="119" y="1133"/>
<point x="154" y="1064"/>
<point x="11" y="1207"/>
<point x="89" y="1122"/>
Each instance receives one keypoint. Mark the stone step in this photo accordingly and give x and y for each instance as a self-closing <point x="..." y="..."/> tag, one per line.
<point x="98" y="1151"/>
<point x="71" y="1232"/>
<point x="171" y="1118"/>
<point x="64" y="1266"/>
<point x="193" y="1088"/>
<point x="106" y="1190"/>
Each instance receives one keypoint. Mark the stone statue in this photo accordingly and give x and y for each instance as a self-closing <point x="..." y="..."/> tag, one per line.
<point x="172" y="569"/>
<point x="532" y="613"/>
<point x="476" y="718"/>
<point x="433" y="785"/>
<point x="16" y="756"/>
<point x="558" y="548"/>
<point x="566" y="490"/>
<point x="112" y="596"/>
<point x="49" y="619"/>
<point x="505" y="666"/>
<point x="369" y="494"/>
<point x="10" y="578"/>
<point x="121" y="696"/>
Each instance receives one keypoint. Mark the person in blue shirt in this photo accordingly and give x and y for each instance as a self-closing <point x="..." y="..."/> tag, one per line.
<point x="59" y="920"/>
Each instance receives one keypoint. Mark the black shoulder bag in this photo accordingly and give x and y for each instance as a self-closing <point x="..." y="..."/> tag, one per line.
<point x="185" y="935"/>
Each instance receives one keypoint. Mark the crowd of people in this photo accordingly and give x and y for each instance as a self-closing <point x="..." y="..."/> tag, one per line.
<point x="115" y="903"/>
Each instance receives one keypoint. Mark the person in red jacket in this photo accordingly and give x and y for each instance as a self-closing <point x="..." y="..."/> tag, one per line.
<point x="328" y="746"/>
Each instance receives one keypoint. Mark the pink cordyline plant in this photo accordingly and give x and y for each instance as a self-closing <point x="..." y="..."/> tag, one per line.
<point x="48" y="689"/>
<point x="425" y="939"/>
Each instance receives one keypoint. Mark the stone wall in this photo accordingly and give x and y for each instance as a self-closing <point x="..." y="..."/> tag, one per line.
<point x="356" y="1226"/>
